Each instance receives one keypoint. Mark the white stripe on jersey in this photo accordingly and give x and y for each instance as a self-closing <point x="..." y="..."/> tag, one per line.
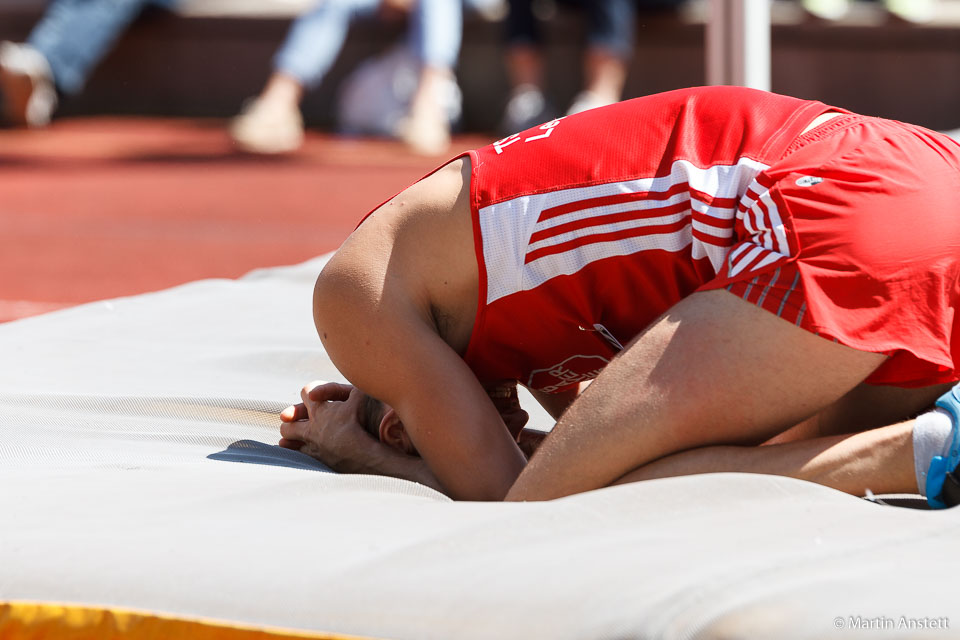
<point x="560" y="238"/>
<point x="769" y="259"/>
<point x="507" y="227"/>
<point x="761" y="219"/>
<point x="548" y="267"/>
<point x="745" y="259"/>
<point x="736" y="253"/>
<point x="746" y="204"/>
<point x="720" y="217"/>
<point x="775" y="224"/>
<point x="712" y="252"/>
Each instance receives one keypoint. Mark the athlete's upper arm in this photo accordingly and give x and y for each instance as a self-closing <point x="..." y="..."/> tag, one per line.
<point x="382" y="344"/>
<point x="554" y="403"/>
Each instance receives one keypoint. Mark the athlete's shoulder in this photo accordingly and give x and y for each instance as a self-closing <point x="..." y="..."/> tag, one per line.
<point x="723" y="95"/>
<point x="640" y="138"/>
<point x="704" y="106"/>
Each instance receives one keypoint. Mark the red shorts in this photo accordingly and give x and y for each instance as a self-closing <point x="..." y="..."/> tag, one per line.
<point x="861" y="230"/>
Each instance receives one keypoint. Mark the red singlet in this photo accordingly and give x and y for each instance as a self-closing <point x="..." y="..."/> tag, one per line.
<point x="589" y="227"/>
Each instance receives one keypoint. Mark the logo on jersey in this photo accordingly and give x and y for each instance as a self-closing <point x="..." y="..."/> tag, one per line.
<point x="808" y="181"/>
<point x="573" y="370"/>
<point x="546" y="127"/>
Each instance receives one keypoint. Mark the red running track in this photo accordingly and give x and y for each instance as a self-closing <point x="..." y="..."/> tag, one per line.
<point x="101" y="208"/>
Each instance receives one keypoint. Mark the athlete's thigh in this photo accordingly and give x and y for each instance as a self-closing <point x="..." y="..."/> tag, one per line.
<point x="714" y="370"/>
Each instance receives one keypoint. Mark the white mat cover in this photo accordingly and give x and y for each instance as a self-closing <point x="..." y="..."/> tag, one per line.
<point x="138" y="469"/>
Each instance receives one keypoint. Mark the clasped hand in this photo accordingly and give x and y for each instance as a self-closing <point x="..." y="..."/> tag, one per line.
<point x="326" y="425"/>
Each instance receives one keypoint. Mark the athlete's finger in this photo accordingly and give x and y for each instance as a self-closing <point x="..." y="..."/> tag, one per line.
<point x="331" y="391"/>
<point x="286" y="443"/>
<point x="293" y="430"/>
<point x="305" y="392"/>
<point x="294" y="412"/>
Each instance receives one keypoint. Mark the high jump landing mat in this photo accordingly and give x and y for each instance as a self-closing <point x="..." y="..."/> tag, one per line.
<point x="143" y="496"/>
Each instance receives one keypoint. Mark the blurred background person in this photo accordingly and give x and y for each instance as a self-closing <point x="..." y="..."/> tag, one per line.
<point x="272" y="122"/>
<point x="611" y="26"/>
<point x="60" y="54"/>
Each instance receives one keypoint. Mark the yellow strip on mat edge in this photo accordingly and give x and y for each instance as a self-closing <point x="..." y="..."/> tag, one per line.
<point x="42" y="621"/>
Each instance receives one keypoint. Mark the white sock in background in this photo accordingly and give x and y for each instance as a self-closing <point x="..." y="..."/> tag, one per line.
<point x="931" y="437"/>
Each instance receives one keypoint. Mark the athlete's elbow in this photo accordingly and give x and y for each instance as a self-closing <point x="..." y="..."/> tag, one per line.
<point x="483" y="489"/>
<point x="322" y="301"/>
<point x="330" y="300"/>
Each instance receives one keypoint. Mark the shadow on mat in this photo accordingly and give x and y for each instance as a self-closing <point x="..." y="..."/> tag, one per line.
<point x="253" y="452"/>
<point x="907" y="501"/>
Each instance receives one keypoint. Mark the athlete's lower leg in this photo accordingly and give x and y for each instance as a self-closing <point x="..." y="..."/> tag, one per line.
<point x="880" y="460"/>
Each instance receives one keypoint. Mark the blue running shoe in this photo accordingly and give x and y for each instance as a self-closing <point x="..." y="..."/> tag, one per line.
<point x="943" y="481"/>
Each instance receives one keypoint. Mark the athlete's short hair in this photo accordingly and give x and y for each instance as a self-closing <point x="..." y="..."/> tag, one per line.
<point x="371" y="414"/>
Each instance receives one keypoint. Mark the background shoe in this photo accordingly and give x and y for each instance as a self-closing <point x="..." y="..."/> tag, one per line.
<point x="425" y="136"/>
<point x="827" y="9"/>
<point x="913" y="11"/>
<point x="268" y="127"/>
<point x="585" y="101"/>
<point x="26" y="82"/>
<point x="526" y="108"/>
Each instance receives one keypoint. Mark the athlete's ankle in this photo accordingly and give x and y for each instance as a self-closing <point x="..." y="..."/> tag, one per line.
<point x="935" y="451"/>
<point x="931" y="438"/>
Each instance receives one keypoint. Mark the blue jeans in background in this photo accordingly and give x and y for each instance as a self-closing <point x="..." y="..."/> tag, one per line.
<point x="74" y="35"/>
<point x="611" y="24"/>
<point x="315" y="39"/>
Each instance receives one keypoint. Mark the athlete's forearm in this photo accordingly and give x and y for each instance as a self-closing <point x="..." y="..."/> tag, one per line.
<point x="529" y="440"/>
<point x="880" y="460"/>
<point x="554" y="403"/>
<point x="380" y="459"/>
